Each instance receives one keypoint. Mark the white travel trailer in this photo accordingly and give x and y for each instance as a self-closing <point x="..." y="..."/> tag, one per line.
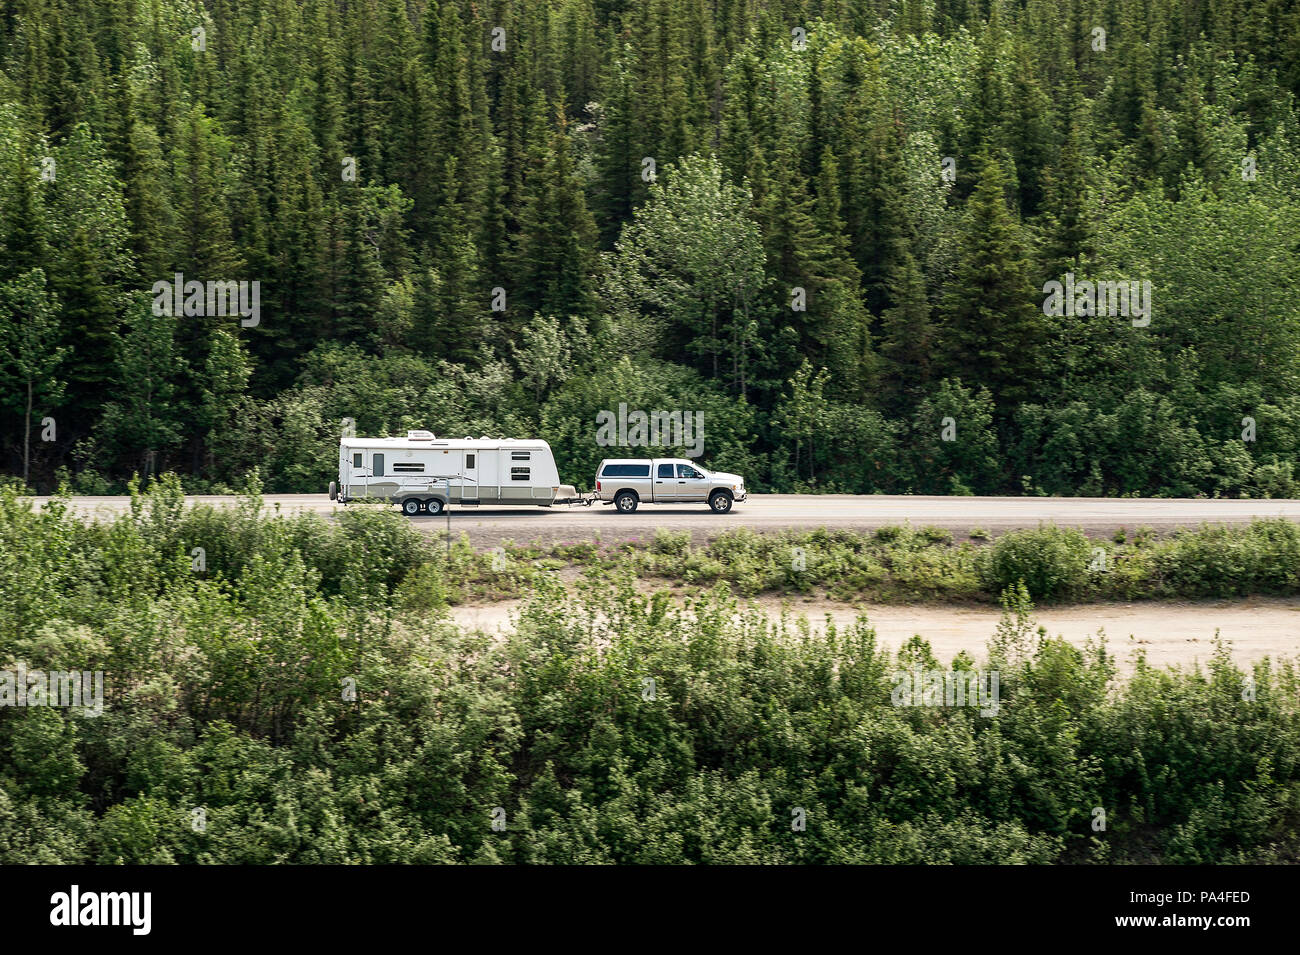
<point x="423" y="474"/>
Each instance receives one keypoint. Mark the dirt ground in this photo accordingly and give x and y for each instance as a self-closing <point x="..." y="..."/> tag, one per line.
<point x="1171" y="633"/>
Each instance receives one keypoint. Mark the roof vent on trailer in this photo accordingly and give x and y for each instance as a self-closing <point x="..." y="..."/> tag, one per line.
<point x="419" y="435"/>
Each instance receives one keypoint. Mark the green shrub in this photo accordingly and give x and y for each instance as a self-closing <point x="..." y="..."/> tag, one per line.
<point x="1051" y="561"/>
<point x="1262" y="558"/>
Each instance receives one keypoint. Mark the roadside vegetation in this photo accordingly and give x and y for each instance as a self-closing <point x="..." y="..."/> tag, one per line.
<point x="613" y="726"/>
<point x="896" y="564"/>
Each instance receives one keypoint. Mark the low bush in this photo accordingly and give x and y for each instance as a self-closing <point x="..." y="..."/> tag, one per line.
<point x="1052" y="562"/>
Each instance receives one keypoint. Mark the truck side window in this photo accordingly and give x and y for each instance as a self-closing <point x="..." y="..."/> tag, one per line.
<point x="378" y="460"/>
<point x="686" y="471"/>
<point x="665" y="470"/>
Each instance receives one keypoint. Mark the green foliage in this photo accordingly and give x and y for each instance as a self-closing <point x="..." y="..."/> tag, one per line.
<point x="29" y="344"/>
<point x="1263" y="558"/>
<point x="612" y="726"/>
<point x="994" y="331"/>
<point x="1051" y="562"/>
<point x="899" y="564"/>
<point x="664" y="204"/>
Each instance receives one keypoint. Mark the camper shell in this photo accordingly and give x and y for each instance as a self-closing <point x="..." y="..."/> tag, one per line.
<point x="424" y="474"/>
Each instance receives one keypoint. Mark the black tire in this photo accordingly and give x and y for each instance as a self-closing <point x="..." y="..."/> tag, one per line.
<point x="720" y="502"/>
<point x="433" y="505"/>
<point x="625" y="502"/>
<point x="411" y="507"/>
<point x="334" y="490"/>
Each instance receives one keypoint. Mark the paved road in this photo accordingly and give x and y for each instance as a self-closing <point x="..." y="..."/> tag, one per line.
<point x="770" y="512"/>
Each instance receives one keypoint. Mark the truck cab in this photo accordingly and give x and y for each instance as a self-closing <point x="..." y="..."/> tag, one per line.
<point x="629" y="482"/>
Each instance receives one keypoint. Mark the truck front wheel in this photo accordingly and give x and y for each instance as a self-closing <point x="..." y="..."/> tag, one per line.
<point x="720" y="501"/>
<point x="626" y="502"/>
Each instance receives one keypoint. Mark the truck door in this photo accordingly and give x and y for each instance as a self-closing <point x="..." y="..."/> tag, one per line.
<point x="691" y="484"/>
<point x="665" y="482"/>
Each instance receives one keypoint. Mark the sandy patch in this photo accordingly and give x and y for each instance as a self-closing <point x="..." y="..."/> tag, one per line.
<point x="1179" y="633"/>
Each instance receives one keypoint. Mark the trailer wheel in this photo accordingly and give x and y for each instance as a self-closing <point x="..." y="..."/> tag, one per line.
<point x="410" y="507"/>
<point x="626" y="502"/>
<point x="433" y="505"/>
<point x="720" y="501"/>
<point x="334" y="490"/>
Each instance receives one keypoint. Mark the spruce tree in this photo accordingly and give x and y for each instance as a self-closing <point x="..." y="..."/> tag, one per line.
<point x="992" y="329"/>
<point x="554" y="262"/>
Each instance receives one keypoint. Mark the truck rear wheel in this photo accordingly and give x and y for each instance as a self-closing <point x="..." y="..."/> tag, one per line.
<point x="720" y="501"/>
<point x="626" y="502"/>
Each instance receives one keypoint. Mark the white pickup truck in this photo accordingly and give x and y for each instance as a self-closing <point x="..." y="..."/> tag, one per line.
<point x="629" y="482"/>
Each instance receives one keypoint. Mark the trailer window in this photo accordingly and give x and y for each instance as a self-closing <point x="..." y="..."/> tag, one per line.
<point x="469" y="462"/>
<point x="520" y="474"/>
<point x="410" y="467"/>
<point x="356" y="459"/>
<point x="520" y="455"/>
<point x="377" y="465"/>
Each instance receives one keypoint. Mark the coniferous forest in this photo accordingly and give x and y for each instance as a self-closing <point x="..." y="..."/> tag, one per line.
<point x="829" y="226"/>
<point x="939" y="247"/>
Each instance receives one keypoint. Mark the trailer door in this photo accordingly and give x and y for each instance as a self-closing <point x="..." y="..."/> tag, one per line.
<point x="469" y="483"/>
<point x="358" y="482"/>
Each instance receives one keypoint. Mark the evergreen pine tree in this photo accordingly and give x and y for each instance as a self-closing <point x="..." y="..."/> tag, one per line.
<point x="992" y="329"/>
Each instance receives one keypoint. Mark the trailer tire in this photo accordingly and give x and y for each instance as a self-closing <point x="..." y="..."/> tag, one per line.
<point x="625" y="502"/>
<point x="334" y="490"/>
<point x="433" y="505"/>
<point x="411" y="507"/>
<point x="720" y="502"/>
